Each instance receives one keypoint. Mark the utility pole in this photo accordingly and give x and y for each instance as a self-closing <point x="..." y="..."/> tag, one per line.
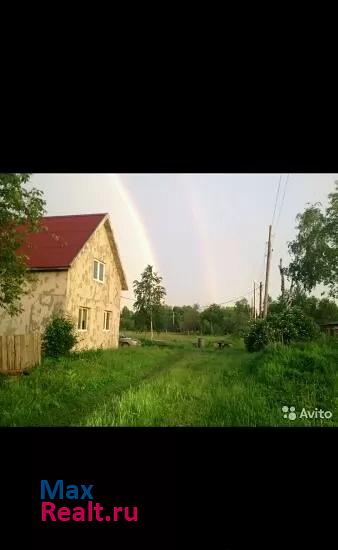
<point x="268" y="260"/>
<point x="260" y="298"/>
<point x="173" y="318"/>
<point x="254" y="300"/>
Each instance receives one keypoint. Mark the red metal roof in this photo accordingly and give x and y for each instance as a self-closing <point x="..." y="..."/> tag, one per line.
<point x="60" y="241"/>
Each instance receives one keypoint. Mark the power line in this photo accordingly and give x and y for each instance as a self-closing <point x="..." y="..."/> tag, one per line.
<point x="281" y="206"/>
<point x="233" y="299"/>
<point x="237" y="298"/>
<point x="277" y="194"/>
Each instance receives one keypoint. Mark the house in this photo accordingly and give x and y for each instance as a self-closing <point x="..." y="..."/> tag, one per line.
<point x="330" y="328"/>
<point x="77" y="270"/>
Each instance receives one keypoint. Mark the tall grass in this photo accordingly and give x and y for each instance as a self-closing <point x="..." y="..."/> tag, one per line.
<point x="176" y="385"/>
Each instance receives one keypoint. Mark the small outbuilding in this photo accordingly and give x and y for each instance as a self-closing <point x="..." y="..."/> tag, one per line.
<point x="330" y="328"/>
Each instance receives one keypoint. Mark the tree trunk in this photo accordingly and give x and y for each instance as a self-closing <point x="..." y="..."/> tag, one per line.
<point x="151" y="327"/>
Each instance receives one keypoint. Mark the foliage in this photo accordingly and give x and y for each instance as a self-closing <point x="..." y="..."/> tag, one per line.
<point x="191" y="318"/>
<point x="258" y="336"/>
<point x="321" y="310"/>
<point x="213" y="320"/>
<point x="226" y="320"/>
<point x="214" y="314"/>
<point x="18" y="207"/>
<point x="290" y="325"/>
<point x="127" y="321"/>
<point x="314" y="251"/>
<point x="59" y="336"/>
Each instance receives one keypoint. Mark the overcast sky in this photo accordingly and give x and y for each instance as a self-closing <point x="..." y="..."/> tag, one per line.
<point x="205" y="233"/>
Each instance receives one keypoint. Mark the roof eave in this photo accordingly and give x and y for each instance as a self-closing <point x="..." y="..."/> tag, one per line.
<point x="58" y="268"/>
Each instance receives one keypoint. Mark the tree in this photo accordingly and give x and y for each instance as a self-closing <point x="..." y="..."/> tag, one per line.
<point x="23" y="208"/>
<point x="127" y="321"/>
<point x="214" y="314"/>
<point x="242" y="306"/>
<point x="149" y="294"/>
<point x="163" y="318"/>
<point x="178" y="317"/>
<point x="314" y="251"/>
<point x="191" y="318"/>
<point x="327" y="310"/>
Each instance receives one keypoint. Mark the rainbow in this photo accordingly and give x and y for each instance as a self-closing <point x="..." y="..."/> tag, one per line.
<point x="201" y="228"/>
<point x="144" y="242"/>
<point x="143" y="254"/>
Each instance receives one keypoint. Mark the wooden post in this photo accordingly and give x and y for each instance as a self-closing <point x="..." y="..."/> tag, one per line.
<point x="23" y="351"/>
<point x="260" y="298"/>
<point x="17" y="353"/>
<point x="4" y="354"/>
<point x="10" y="352"/>
<point x="254" y="301"/>
<point x="268" y="260"/>
<point x="2" y="360"/>
<point x="28" y="347"/>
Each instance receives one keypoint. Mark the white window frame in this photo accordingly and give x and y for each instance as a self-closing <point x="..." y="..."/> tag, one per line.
<point x="99" y="263"/>
<point x="80" y="319"/>
<point x="105" y="315"/>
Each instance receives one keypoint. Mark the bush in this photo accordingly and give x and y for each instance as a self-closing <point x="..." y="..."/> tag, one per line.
<point x="292" y="325"/>
<point x="59" y="336"/>
<point x="259" y="335"/>
<point x="288" y="326"/>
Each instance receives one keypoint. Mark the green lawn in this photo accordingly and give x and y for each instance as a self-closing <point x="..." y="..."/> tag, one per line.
<point x="175" y="384"/>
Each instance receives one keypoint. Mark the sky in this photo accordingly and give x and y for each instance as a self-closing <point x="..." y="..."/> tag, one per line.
<point x="205" y="234"/>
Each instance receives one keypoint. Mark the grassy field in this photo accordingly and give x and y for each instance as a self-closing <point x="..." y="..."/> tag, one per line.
<point x="174" y="383"/>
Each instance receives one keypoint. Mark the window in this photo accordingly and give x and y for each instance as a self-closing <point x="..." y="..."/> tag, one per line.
<point x="98" y="271"/>
<point x="82" y="323"/>
<point x="106" y="320"/>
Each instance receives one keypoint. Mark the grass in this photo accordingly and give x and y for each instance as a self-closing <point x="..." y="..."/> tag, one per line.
<point x="175" y="385"/>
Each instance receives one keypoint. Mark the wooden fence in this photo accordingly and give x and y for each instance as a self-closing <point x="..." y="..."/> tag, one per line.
<point x="19" y="352"/>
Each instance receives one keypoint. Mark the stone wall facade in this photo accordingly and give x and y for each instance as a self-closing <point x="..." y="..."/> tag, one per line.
<point x="84" y="291"/>
<point x="46" y="294"/>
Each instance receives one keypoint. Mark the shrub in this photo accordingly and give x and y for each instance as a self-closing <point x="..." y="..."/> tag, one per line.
<point x="259" y="335"/>
<point x="59" y="336"/>
<point x="292" y="325"/>
<point x="288" y="326"/>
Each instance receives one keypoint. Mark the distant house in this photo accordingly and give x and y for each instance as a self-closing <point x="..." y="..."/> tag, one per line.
<point x="78" y="270"/>
<point x="330" y="328"/>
